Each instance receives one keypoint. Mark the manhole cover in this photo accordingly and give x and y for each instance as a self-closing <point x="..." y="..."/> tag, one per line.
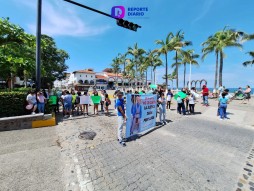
<point x="87" y="135"/>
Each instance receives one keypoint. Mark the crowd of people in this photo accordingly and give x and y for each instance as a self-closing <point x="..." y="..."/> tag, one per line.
<point x="71" y="103"/>
<point x="185" y="100"/>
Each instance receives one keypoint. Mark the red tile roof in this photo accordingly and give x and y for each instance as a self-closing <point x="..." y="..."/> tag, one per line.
<point x="84" y="71"/>
<point x="113" y="75"/>
<point x="100" y="77"/>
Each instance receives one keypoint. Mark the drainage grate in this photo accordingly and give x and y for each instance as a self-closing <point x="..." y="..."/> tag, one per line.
<point x="87" y="135"/>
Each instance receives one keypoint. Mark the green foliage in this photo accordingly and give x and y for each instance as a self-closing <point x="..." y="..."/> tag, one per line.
<point x="12" y="104"/>
<point x="17" y="55"/>
<point x="23" y="89"/>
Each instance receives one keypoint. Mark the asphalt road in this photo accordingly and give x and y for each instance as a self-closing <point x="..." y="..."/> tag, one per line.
<point x="189" y="153"/>
<point x="30" y="161"/>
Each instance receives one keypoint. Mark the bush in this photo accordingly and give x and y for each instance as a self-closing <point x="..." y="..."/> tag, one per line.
<point x="12" y="104"/>
<point x="23" y="89"/>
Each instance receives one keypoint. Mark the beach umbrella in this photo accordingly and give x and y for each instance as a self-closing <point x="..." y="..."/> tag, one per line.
<point x="181" y="94"/>
<point x="153" y="86"/>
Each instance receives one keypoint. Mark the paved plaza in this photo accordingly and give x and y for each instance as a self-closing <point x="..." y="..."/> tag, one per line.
<point x="189" y="153"/>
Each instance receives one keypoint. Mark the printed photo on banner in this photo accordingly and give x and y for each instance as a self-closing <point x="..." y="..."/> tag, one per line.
<point x="141" y="113"/>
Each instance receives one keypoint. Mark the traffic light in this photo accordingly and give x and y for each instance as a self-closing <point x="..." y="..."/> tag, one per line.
<point x="127" y="24"/>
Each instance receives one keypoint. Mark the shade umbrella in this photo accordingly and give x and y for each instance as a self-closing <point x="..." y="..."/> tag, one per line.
<point x="153" y="86"/>
<point x="181" y="94"/>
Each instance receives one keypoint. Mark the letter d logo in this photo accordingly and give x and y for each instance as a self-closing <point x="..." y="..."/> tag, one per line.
<point x="118" y="12"/>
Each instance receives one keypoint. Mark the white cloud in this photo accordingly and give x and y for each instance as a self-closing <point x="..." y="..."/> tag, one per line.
<point x="205" y="9"/>
<point x="58" y="19"/>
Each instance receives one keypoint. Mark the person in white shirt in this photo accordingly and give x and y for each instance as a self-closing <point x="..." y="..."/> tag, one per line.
<point x="102" y="100"/>
<point x="191" y="99"/>
<point x="31" y="99"/>
<point x="169" y="97"/>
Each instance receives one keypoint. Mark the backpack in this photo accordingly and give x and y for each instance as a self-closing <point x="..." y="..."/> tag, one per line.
<point x="109" y="102"/>
<point x="77" y="100"/>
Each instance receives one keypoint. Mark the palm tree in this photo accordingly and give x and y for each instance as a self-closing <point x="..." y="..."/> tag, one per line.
<point x="116" y="67"/>
<point x="171" y="77"/>
<point x="165" y="48"/>
<point x="246" y="63"/>
<point x="136" y="52"/>
<point x="178" y="43"/>
<point x="187" y="57"/>
<point x="211" y="46"/>
<point x="218" y="42"/>
<point x="157" y="62"/>
<point x="122" y="60"/>
<point x="130" y="71"/>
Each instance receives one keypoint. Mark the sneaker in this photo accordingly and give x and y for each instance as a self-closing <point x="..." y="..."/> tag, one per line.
<point x="227" y="118"/>
<point x="122" y="143"/>
<point x="33" y="113"/>
<point x="221" y="119"/>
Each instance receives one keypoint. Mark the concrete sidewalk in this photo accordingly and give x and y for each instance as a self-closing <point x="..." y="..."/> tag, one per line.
<point x="239" y="114"/>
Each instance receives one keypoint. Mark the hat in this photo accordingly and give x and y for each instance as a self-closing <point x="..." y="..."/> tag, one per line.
<point x="29" y="106"/>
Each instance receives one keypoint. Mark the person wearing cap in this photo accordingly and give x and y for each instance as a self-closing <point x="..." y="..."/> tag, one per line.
<point x="121" y="117"/>
<point x="205" y="93"/>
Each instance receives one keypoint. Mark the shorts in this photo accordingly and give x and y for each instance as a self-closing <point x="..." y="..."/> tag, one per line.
<point x="67" y="106"/>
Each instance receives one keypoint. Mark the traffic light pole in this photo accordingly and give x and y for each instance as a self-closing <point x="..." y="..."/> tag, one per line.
<point x="89" y="8"/>
<point x="120" y="22"/>
<point x="38" y="46"/>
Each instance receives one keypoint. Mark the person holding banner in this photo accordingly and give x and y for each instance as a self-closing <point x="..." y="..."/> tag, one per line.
<point x="136" y="112"/>
<point x="85" y="101"/>
<point x="102" y="100"/>
<point x="162" y="107"/>
<point x="96" y="101"/>
<point x="121" y="117"/>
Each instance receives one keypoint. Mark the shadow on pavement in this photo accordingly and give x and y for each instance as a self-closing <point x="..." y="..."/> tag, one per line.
<point x="138" y="136"/>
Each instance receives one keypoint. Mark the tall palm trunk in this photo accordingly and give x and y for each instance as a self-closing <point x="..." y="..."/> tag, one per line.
<point x="221" y="68"/>
<point x="136" y="72"/>
<point x="216" y="70"/>
<point x="184" y="73"/>
<point x="176" y="72"/>
<point x="146" y="77"/>
<point x="166" y="56"/>
<point x="152" y="75"/>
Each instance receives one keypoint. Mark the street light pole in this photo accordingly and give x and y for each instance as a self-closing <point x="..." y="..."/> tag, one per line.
<point x="38" y="46"/>
<point x="190" y="77"/>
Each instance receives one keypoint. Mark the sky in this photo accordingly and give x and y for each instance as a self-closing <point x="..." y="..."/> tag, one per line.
<point x="93" y="40"/>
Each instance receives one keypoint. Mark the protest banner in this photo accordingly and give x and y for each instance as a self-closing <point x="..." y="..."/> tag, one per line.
<point x="85" y="99"/>
<point x="140" y="112"/>
<point x="96" y="99"/>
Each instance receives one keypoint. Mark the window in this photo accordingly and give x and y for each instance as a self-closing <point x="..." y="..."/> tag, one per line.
<point x="80" y="75"/>
<point x="86" y="75"/>
<point x="91" y="76"/>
